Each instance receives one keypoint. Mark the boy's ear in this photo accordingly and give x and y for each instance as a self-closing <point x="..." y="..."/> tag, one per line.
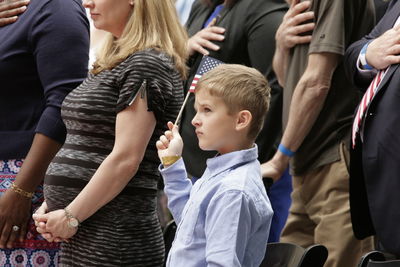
<point x="243" y="119"/>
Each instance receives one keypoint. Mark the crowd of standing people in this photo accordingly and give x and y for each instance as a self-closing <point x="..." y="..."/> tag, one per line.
<point x="301" y="113"/>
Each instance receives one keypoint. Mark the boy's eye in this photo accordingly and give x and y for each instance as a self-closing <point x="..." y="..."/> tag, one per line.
<point x="207" y="110"/>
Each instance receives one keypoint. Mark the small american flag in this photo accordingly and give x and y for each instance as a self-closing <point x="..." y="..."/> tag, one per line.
<point x="207" y="63"/>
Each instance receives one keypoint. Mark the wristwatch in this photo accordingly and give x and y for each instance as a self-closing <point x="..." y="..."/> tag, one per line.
<point x="71" y="220"/>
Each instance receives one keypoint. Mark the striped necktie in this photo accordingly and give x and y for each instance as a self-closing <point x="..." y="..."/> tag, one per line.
<point x="365" y="101"/>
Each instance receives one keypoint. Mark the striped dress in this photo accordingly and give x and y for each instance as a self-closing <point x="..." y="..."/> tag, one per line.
<point x="126" y="231"/>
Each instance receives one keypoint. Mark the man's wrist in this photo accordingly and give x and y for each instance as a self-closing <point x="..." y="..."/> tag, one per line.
<point x="281" y="161"/>
<point x="363" y="57"/>
<point x="286" y="151"/>
<point x="281" y="50"/>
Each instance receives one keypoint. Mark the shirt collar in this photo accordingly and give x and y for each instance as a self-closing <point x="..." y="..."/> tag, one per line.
<point x="231" y="160"/>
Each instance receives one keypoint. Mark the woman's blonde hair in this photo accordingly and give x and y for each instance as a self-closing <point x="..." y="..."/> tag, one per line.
<point x="152" y="24"/>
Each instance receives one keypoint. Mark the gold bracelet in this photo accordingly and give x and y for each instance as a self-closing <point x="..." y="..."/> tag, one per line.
<point x="20" y="191"/>
<point x="169" y="160"/>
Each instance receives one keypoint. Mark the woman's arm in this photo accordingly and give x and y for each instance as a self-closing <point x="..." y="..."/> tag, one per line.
<point x="134" y="128"/>
<point x="15" y="208"/>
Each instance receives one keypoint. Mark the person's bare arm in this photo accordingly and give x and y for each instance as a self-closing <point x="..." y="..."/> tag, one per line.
<point x="121" y="164"/>
<point x="10" y="9"/>
<point x="307" y="101"/>
<point x="15" y="208"/>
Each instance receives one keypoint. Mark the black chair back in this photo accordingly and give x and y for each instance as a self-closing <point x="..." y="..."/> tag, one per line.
<point x="372" y="255"/>
<point x="393" y="263"/>
<point x="291" y="255"/>
<point x="377" y="259"/>
<point x="315" y="255"/>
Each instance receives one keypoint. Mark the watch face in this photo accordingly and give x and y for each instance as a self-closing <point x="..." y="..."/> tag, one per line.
<point x="73" y="222"/>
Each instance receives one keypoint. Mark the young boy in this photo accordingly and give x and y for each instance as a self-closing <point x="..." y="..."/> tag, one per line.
<point x="224" y="218"/>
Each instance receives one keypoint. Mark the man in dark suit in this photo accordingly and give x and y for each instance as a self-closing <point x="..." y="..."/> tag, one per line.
<point x="375" y="156"/>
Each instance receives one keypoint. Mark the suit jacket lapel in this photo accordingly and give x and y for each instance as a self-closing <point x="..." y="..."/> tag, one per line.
<point x="222" y="14"/>
<point x="198" y="23"/>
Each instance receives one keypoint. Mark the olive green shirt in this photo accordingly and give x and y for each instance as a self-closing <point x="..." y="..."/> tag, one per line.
<point x="338" y="23"/>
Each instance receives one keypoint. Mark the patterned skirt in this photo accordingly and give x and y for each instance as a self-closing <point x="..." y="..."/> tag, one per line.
<point x="34" y="251"/>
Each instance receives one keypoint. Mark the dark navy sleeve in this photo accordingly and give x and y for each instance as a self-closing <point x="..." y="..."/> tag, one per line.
<point x="60" y="44"/>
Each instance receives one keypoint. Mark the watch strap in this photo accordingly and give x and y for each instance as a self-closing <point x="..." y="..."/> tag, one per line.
<point x="71" y="217"/>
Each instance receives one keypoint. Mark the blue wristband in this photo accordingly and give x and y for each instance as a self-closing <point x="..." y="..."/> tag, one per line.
<point x="285" y="151"/>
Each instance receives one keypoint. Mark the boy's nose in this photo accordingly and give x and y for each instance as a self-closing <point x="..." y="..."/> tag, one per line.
<point x="195" y="121"/>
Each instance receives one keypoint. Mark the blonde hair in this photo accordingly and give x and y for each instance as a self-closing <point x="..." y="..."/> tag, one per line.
<point x="241" y="88"/>
<point x="152" y="24"/>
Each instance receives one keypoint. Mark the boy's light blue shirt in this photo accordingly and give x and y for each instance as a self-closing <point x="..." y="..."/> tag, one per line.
<point x="224" y="218"/>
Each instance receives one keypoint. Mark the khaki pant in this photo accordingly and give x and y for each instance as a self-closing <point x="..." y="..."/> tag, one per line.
<point x="320" y="214"/>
